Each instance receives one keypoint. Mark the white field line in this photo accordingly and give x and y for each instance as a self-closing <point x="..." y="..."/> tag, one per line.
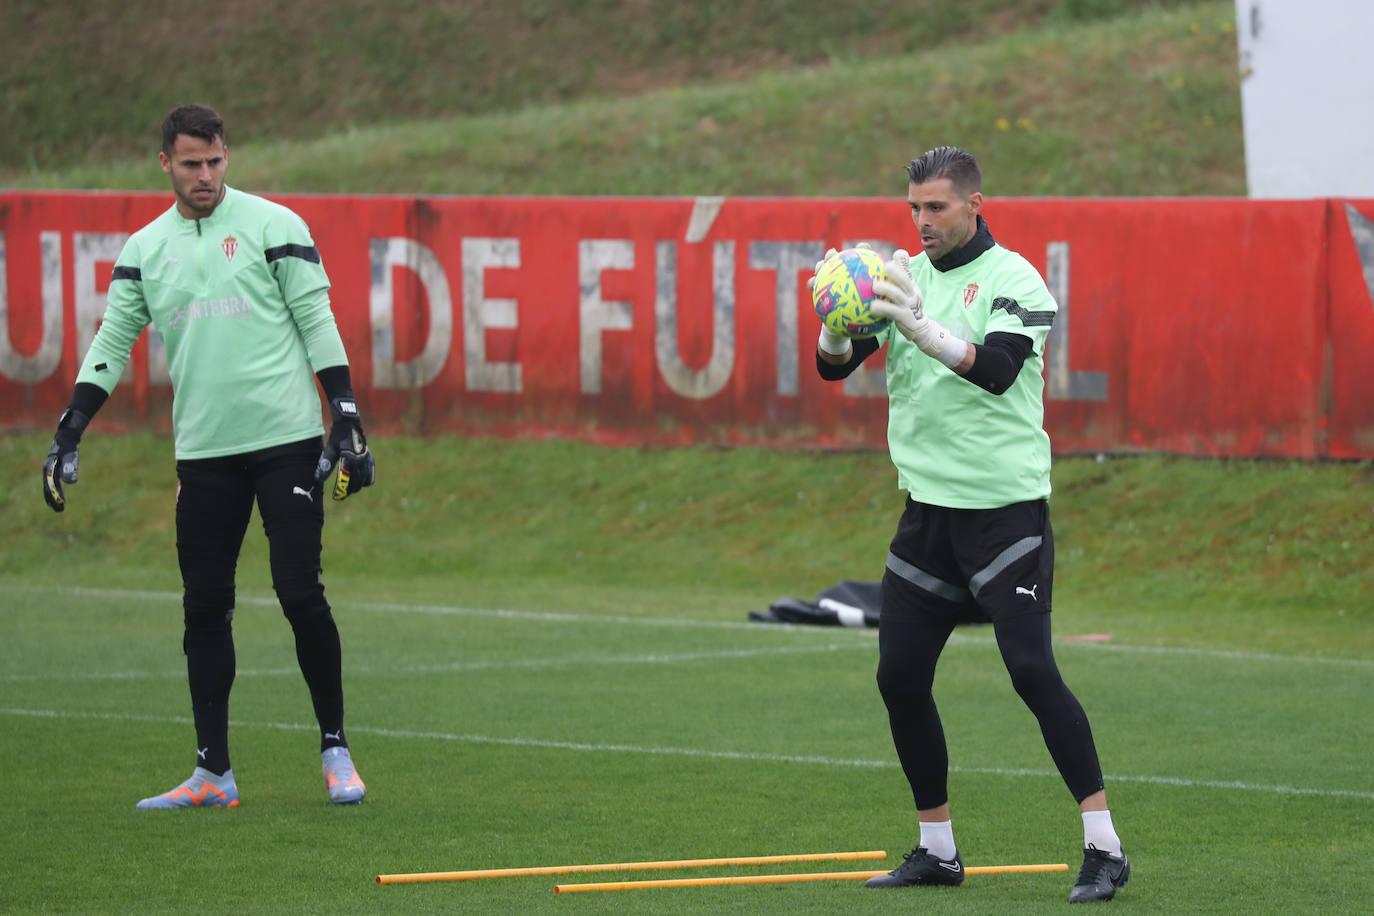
<point x="384" y="607"/>
<point x="746" y="756"/>
<point x="1237" y="654"/>
<point x="495" y="664"/>
<point x="573" y="617"/>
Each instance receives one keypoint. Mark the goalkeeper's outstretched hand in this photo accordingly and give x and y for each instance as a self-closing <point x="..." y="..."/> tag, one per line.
<point x="347" y="449"/>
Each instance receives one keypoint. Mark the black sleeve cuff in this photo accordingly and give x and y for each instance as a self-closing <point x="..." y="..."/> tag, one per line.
<point x="863" y="348"/>
<point x="998" y="360"/>
<point x="87" y="398"/>
<point x="336" y="382"/>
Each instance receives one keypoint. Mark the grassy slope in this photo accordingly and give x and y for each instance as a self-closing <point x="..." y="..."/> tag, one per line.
<point x="1144" y="104"/>
<point x="303" y="69"/>
<point x="1271" y="556"/>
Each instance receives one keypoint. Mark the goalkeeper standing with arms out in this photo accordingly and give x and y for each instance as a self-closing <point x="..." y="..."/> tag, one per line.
<point x="235" y="287"/>
<point x="969" y="321"/>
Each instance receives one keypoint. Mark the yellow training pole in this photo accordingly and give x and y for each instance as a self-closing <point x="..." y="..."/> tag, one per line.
<point x="788" y="879"/>
<point x="426" y="877"/>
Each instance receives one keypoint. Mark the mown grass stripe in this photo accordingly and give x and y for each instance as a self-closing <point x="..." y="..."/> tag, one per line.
<point x="493" y="664"/>
<point x="629" y="620"/>
<point x="745" y="756"/>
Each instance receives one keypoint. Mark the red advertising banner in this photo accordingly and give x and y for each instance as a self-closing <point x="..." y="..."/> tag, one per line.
<point x="1208" y="327"/>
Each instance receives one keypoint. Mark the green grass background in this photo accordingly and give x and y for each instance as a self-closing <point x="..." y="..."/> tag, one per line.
<point x="1074" y="102"/>
<point x="1142" y="543"/>
<point x="305" y="70"/>
<point x="1241" y="651"/>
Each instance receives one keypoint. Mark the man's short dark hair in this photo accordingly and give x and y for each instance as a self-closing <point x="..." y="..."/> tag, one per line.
<point x="199" y="121"/>
<point x="950" y="162"/>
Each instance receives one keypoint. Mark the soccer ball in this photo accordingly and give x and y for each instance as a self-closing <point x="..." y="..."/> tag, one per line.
<point x="843" y="291"/>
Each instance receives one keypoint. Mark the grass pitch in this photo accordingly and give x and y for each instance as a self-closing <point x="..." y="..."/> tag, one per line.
<point x="550" y="674"/>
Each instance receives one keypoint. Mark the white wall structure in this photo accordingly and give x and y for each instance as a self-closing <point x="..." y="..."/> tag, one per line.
<point x="1307" y="96"/>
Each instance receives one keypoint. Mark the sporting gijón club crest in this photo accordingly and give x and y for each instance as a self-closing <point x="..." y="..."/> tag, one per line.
<point x="970" y="293"/>
<point x="231" y="245"/>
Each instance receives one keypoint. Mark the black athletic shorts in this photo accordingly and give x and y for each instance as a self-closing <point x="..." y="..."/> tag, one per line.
<point x="976" y="564"/>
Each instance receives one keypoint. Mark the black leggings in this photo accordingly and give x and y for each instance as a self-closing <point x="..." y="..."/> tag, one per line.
<point x="214" y="502"/>
<point x="909" y="647"/>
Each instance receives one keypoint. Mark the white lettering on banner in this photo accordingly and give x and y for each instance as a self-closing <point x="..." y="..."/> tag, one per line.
<point x="1063" y="383"/>
<point x="386" y="254"/>
<point x="1362" y="231"/>
<point x="698" y="384"/>
<point x="40" y="364"/>
<point x="704" y="213"/>
<point x="597" y="314"/>
<point x="870" y="379"/>
<point x="786" y="260"/>
<point x="480" y="313"/>
<point x="90" y="249"/>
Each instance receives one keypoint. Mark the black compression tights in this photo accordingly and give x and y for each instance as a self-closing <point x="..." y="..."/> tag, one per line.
<point x="910" y="645"/>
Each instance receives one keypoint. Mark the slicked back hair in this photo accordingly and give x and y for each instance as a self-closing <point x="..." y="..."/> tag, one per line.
<point x="950" y="162"/>
<point x="198" y="121"/>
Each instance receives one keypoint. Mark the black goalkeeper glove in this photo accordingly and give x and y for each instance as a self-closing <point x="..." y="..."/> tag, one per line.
<point x="62" y="461"/>
<point x="346" y="447"/>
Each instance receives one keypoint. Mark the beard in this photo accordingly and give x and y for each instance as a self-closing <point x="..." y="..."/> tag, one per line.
<point x="199" y="204"/>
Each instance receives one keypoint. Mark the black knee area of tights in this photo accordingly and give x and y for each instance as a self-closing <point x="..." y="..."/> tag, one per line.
<point x="210" y="612"/>
<point x="1035" y="679"/>
<point x="909" y="647"/>
<point x="306" y="608"/>
<point x="900" y="680"/>
<point x="1024" y="642"/>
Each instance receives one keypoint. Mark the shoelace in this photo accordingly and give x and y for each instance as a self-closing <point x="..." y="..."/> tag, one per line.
<point x="341" y="769"/>
<point x="1095" y="865"/>
<point x="916" y="854"/>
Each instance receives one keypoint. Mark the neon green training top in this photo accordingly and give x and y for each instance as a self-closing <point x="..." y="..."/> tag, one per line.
<point x="954" y="443"/>
<point x="241" y="302"/>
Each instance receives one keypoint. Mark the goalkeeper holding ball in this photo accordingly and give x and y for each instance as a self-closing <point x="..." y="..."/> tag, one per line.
<point x="966" y="343"/>
<point x="235" y="288"/>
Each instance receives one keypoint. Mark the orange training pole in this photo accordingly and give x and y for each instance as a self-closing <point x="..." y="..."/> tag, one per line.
<point x="427" y="877"/>
<point x="789" y="879"/>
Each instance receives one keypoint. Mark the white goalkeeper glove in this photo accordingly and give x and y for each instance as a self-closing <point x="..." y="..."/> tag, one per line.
<point x="830" y="342"/>
<point x="901" y="301"/>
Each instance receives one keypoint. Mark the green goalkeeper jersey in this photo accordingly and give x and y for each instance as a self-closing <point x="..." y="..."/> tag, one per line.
<point x="954" y="443"/>
<point x="241" y="302"/>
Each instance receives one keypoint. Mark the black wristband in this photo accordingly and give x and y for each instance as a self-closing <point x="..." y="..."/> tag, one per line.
<point x="862" y="348"/>
<point x="70" y="426"/>
<point x="336" y="382"/>
<point x="87" y="398"/>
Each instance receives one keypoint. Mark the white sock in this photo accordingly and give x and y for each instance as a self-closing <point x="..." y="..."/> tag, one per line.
<point x="938" y="838"/>
<point x="1099" y="833"/>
